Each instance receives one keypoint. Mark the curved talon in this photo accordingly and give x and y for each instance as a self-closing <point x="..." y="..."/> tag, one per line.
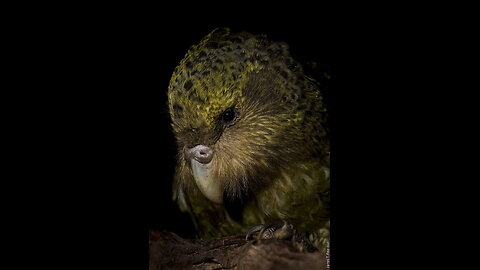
<point x="269" y="230"/>
<point x="254" y="229"/>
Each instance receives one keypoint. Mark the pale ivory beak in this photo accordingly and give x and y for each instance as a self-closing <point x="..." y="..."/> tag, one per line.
<point x="208" y="185"/>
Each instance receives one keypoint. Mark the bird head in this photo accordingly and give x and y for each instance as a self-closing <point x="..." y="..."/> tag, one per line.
<point x="241" y="110"/>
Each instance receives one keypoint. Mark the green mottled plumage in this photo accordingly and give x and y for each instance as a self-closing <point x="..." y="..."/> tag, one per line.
<point x="273" y="162"/>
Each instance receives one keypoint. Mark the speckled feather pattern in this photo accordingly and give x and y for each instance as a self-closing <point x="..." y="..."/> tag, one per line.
<point x="274" y="158"/>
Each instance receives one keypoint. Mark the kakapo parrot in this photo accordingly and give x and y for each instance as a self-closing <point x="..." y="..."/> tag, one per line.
<point x="252" y="137"/>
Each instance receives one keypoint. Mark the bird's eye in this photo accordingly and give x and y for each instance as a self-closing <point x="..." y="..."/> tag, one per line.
<point x="228" y="116"/>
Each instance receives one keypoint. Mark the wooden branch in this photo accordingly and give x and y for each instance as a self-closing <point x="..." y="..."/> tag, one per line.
<point x="170" y="251"/>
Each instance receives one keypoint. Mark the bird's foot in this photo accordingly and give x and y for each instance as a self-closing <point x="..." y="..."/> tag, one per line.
<point x="282" y="231"/>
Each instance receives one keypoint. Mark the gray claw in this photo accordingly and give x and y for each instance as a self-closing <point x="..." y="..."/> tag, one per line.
<point x="266" y="231"/>
<point x="254" y="229"/>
